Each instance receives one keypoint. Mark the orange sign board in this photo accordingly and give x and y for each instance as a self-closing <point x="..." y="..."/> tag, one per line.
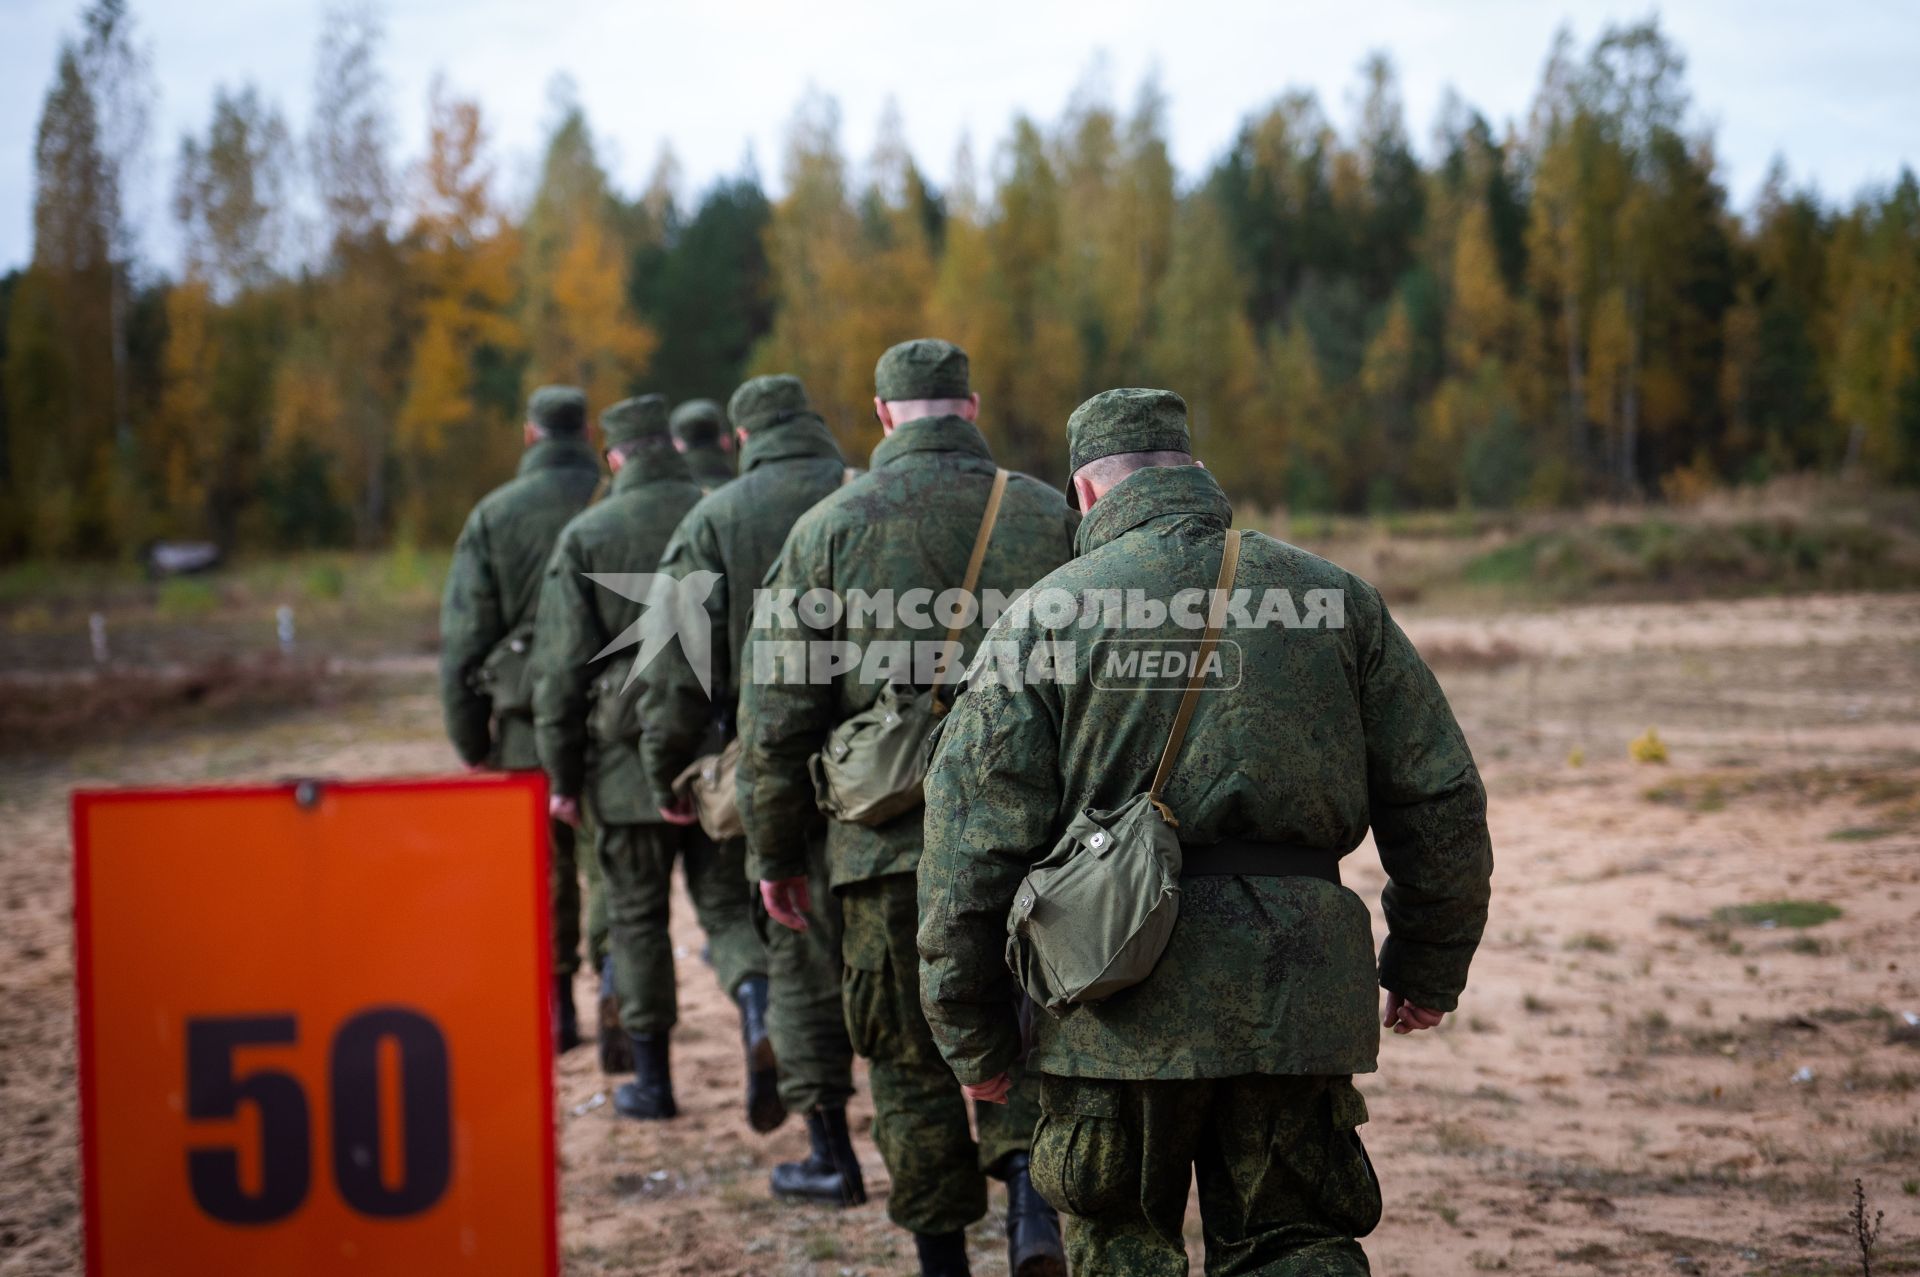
<point x="314" y="1029"/>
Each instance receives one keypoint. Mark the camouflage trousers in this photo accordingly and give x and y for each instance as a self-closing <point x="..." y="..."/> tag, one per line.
<point x="804" y="1015"/>
<point x="939" y="1172"/>
<point x="565" y="867"/>
<point x="636" y="862"/>
<point x="1285" y="1185"/>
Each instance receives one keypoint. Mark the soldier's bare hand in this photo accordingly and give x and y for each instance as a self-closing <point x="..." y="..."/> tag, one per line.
<point x="681" y="813"/>
<point x="992" y="1091"/>
<point x="788" y="901"/>
<point x="565" y="810"/>
<point x="1404" y="1017"/>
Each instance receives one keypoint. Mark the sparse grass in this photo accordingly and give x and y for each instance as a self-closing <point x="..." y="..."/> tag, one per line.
<point x="821" y="1247"/>
<point x="187" y="598"/>
<point x="324" y="581"/>
<point x="1598" y="1254"/>
<point x="1862" y="833"/>
<point x="1591" y="942"/>
<point x="1888" y="788"/>
<point x="1896" y="1143"/>
<point x="1779" y="913"/>
<point x="1849" y="1015"/>
<point x="1860" y="1078"/>
<point x="1671" y="555"/>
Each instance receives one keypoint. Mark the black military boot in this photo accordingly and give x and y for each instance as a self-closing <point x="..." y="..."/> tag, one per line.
<point x="831" y="1172"/>
<point x="942" y="1254"/>
<point x="649" y="1097"/>
<point x="566" y="1021"/>
<point x="764" y="1109"/>
<point x="1033" y="1229"/>
<point x="616" y="1049"/>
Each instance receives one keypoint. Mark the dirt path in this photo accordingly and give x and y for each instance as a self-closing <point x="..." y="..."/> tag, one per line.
<point x="1636" y="1082"/>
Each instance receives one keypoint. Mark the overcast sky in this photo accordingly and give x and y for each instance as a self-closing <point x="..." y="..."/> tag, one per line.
<point x="1833" y="86"/>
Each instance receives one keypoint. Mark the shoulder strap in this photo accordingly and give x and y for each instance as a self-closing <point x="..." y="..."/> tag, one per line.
<point x="1216" y="620"/>
<point x="980" y="539"/>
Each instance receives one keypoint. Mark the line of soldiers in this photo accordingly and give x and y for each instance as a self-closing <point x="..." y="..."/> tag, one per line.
<point x="1231" y="1060"/>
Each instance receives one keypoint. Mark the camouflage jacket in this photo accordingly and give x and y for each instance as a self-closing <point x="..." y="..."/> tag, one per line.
<point x="578" y="618"/>
<point x="711" y="468"/>
<point x="908" y="524"/>
<point x="493" y="586"/>
<point x="1329" y="729"/>
<point x="735" y="533"/>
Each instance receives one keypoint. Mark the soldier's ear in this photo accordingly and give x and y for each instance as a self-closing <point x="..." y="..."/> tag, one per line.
<point x="1081" y="493"/>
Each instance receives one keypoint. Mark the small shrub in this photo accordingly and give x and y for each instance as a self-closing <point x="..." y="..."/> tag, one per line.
<point x="1591" y="942"/>
<point x="1647" y="748"/>
<point x="1458" y="1139"/>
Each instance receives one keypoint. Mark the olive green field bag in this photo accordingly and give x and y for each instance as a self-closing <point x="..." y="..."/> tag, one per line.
<point x="505" y="677"/>
<point x="874" y="764"/>
<point x="615" y="714"/>
<point x="1094" y="915"/>
<point x="710" y="781"/>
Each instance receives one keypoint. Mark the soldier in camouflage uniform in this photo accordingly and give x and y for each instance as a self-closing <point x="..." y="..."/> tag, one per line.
<point x="700" y="435"/>
<point x="486" y="636"/>
<point x="907" y="524"/>
<point x="588" y="738"/>
<point x="1233" y="1059"/>
<point x="789" y="461"/>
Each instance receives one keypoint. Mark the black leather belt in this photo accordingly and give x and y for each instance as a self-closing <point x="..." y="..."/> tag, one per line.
<point x="1259" y="860"/>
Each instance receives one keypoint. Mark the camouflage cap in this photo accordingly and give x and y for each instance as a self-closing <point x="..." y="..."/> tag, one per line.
<point x="698" y="422"/>
<point x="558" y="410"/>
<point x="639" y="420"/>
<point x="924" y="368"/>
<point x="1133" y="420"/>
<point x="768" y="401"/>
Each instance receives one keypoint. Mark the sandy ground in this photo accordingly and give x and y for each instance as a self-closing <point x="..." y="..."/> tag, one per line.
<point x="1632" y="1084"/>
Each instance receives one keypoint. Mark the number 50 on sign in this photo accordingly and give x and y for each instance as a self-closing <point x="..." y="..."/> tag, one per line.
<point x="314" y="1029"/>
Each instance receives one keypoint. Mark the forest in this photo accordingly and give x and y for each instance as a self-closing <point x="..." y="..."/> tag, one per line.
<point x="1561" y="309"/>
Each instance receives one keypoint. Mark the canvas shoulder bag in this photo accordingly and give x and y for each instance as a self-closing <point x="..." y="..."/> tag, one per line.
<point x="1094" y="915"/>
<point x="505" y="677"/>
